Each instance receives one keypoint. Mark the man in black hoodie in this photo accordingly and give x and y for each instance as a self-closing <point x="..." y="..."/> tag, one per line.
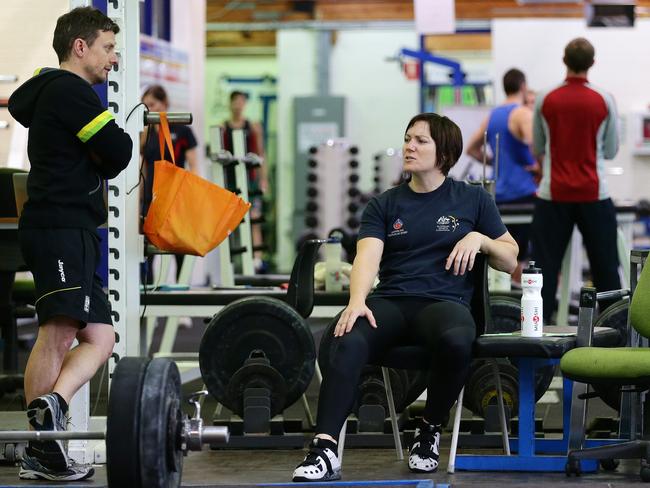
<point x="74" y="145"/>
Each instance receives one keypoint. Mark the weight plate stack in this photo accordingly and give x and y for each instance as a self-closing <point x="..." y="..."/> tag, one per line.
<point x="257" y="323"/>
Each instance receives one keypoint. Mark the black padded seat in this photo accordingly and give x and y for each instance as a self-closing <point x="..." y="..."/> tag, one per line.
<point x="497" y="346"/>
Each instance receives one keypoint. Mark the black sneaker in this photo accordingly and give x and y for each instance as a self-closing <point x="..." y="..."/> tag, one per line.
<point x="320" y="464"/>
<point x="31" y="468"/>
<point x="45" y="413"/>
<point x="424" y="453"/>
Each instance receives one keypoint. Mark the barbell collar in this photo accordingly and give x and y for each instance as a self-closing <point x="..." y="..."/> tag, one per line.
<point x="48" y="435"/>
<point x="182" y="118"/>
<point x="215" y="435"/>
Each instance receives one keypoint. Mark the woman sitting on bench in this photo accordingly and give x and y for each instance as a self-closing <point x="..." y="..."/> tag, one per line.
<point x="422" y="238"/>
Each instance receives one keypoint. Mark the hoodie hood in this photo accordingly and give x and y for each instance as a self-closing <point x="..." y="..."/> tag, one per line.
<point x="22" y="102"/>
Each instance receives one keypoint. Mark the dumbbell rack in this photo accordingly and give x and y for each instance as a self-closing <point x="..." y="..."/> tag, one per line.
<point x="387" y="169"/>
<point x="333" y="196"/>
<point x="225" y="162"/>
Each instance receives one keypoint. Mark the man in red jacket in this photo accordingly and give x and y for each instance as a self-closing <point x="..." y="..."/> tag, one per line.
<point x="574" y="132"/>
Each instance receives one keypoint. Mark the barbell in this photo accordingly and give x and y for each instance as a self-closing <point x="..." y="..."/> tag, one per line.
<point x="147" y="435"/>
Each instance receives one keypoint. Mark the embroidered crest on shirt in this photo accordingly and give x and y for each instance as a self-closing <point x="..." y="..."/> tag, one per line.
<point x="446" y="223"/>
<point x="398" y="228"/>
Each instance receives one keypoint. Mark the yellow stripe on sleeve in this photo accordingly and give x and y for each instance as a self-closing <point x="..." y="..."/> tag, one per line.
<point x="94" y="126"/>
<point x="37" y="71"/>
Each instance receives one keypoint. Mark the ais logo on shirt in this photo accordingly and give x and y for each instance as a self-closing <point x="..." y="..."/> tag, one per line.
<point x="446" y="223"/>
<point x="398" y="228"/>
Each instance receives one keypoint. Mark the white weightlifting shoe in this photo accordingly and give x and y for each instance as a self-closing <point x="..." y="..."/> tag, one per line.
<point x="320" y="464"/>
<point x="424" y="453"/>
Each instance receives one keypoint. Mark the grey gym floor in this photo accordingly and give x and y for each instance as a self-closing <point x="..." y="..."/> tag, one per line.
<point x="228" y="467"/>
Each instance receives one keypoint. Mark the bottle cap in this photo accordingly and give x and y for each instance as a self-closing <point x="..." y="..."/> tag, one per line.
<point x="531" y="269"/>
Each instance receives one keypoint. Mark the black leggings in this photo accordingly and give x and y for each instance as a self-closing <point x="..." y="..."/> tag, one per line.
<point x="446" y="329"/>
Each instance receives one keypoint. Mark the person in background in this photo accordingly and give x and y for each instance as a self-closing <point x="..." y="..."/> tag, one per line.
<point x="185" y="154"/>
<point x="421" y="238"/>
<point x="574" y="132"/>
<point x="257" y="177"/>
<point x="530" y="98"/>
<point x="513" y="122"/>
<point x="74" y="145"/>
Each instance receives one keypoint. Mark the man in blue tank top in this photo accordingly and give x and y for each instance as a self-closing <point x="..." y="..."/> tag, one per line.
<point x="517" y="167"/>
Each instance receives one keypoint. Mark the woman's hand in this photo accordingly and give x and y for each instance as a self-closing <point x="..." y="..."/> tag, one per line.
<point x="464" y="252"/>
<point x="350" y="315"/>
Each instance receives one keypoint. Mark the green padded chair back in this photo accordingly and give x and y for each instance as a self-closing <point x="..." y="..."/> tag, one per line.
<point x="640" y="307"/>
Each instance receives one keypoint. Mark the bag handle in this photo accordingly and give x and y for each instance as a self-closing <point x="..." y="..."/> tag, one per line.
<point x="164" y="136"/>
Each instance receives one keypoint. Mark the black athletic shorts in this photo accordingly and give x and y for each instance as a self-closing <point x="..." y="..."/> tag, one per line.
<point x="63" y="262"/>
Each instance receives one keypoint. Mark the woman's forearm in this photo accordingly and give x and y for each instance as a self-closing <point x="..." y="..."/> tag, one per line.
<point x="502" y="253"/>
<point x="362" y="277"/>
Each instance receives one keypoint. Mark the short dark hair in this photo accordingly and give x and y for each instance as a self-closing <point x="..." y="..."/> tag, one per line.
<point x="579" y="55"/>
<point x="447" y="136"/>
<point x="238" y="93"/>
<point x="156" y="91"/>
<point x="80" y="23"/>
<point x="513" y="80"/>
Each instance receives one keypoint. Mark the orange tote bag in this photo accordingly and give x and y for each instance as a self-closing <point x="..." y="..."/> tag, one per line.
<point x="188" y="214"/>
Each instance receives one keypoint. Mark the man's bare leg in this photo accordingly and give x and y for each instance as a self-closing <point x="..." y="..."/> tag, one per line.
<point x="95" y="346"/>
<point x="46" y="359"/>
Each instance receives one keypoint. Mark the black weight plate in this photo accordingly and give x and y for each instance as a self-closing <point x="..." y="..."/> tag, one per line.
<point x="261" y="323"/>
<point x="161" y="459"/>
<point x="372" y="390"/>
<point x="481" y="388"/>
<point x="616" y="318"/>
<point x="256" y="376"/>
<point x="123" y="423"/>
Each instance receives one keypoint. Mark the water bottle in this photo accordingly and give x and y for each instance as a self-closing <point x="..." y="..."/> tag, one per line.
<point x="531" y="301"/>
<point x="333" y="249"/>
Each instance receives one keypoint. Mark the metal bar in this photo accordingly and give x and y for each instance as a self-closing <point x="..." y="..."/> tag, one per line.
<point x="474" y="25"/>
<point x="393" y="413"/>
<point x="226" y="277"/>
<point x="502" y="408"/>
<point x="241" y="180"/>
<point x="611" y="294"/>
<point x="48" y="435"/>
<point x="183" y="118"/>
<point x="586" y="315"/>
<point x="451" y="467"/>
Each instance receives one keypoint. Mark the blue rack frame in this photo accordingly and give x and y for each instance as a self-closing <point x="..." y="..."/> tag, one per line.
<point x="527" y="446"/>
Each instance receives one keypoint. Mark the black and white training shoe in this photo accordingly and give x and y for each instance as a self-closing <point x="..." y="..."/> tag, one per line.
<point x="424" y="453"/>
<point x="31" y="468"/>
<point x="45" y="413"/>
<point x="320" y="464"/>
